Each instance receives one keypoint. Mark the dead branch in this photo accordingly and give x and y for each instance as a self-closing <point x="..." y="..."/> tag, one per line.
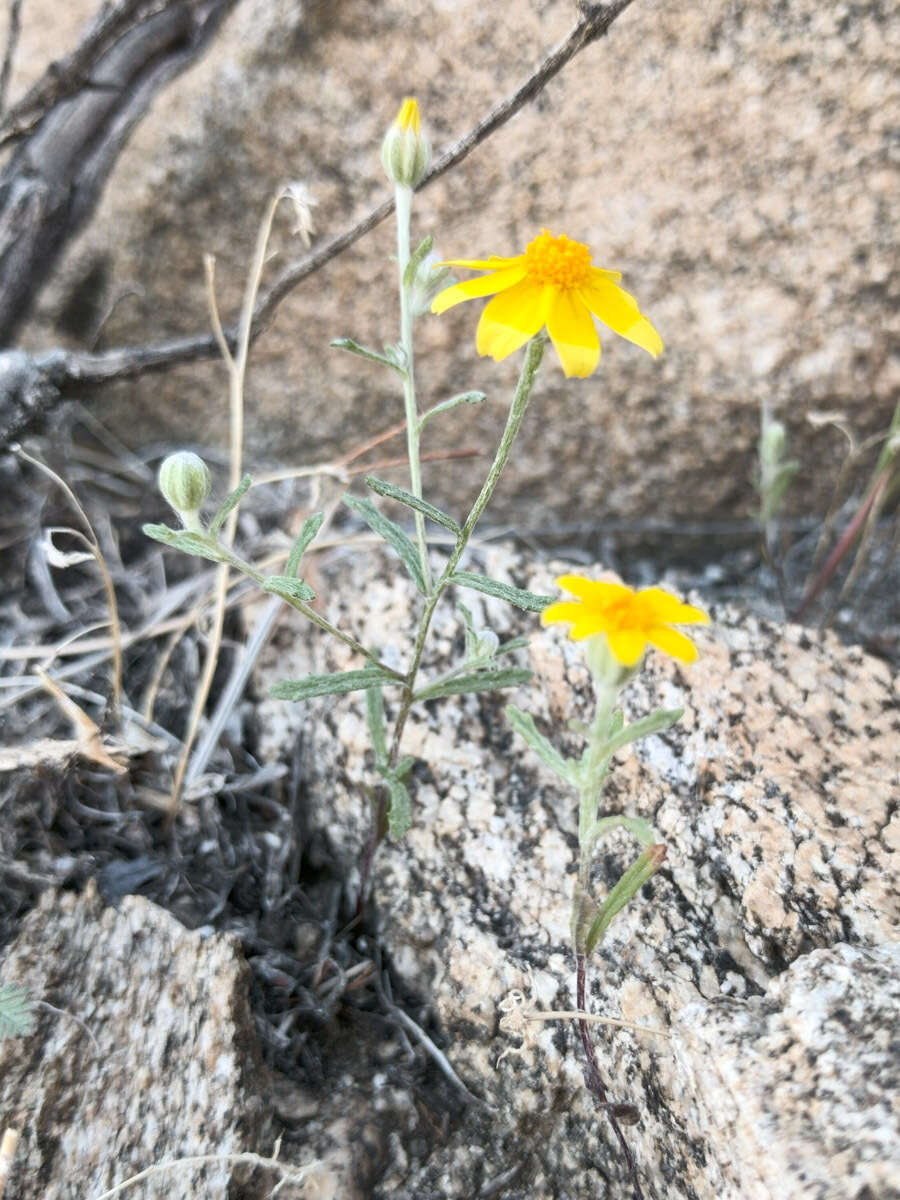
<point x="32" y="385"/>
<point x="80" y="117"/>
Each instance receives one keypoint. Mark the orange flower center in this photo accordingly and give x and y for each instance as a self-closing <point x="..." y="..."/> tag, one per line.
<point x="557" y="260"/>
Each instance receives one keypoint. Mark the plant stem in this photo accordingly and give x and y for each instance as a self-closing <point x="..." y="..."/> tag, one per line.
<point x="517" y="410"/>
<point x="403" y="197"/>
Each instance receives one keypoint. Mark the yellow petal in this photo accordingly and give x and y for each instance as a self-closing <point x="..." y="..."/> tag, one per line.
<point x="593" y="590"/>
<point x="628" y="645"/>
<point x="669" y="610"/>
<point x="565" y="610"/>
<point x="494" y="263"/>
<point x="617" y="309"/>
<point x="574" y="335"/>
<point x="672" y="642"/>
<point x="512" y="317"/>
<point x="605" y="276"/>
<point x="471" y="289"/>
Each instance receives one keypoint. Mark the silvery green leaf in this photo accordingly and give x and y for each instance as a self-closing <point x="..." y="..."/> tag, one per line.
<point x="518" y="643"/>
<point x="16" y="1011"/>
<point x="399" y="810"/>
<point x="416" y="259"/>
<point x="477" y="681"/>
<point x="328" y="685"/>
<point x="311" y="527"/>
<point x="636" y="826"/>
<point x="392" y="534"/>
<point x="529" y="601"/>
<point x="230" y="502"/>
<point x="453" y="402"/>
<point x="187" y="542"/>
<point x="523" y="724"/>
<point x="403" y="497"/>
<point x="375" y="718"/>
<point x="290" y="587"/>
<point x="662" y="719"/>
<point x="387" y="359"/>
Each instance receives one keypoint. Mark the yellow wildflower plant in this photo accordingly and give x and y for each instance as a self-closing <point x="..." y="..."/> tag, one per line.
<point x="553" y="284"/>
<point x="630" y="620"/>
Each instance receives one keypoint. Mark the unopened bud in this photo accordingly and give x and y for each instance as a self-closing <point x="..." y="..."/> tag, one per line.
<point x="185" y="483"/>
<point x="406" y="151"/>
<point x="487" y="643"/>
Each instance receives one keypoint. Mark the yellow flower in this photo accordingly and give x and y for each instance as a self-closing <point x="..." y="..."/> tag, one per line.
<point x="555" y="284"/>
<point x="630" y="620"/>
<point x="406" y="151"/>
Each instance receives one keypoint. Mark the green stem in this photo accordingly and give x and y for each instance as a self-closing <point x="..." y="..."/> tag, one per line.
<point x="517" y="409"/>
<point x="403" y="197"/>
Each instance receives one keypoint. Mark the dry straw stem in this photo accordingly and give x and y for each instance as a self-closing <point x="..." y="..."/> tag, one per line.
<point x="94" y="545"/>
<point x="7" y="1153"/>
<point x="293" y="1175"/>
<point x="43" y="380"/>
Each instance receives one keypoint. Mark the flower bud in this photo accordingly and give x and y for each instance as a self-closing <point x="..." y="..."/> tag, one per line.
<point x="406" y="151"/>
<point x="185" y="483"/>
<point x="486" y="643"/>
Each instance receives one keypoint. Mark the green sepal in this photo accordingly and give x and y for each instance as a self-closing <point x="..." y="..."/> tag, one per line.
<point x="16" y="1011"/>
<point x="289" y="587"/>
<point x="311" y="527"/>
<point x="416" y="259"/>
<point x="529" y="601"/>
<point x="388" y="359"/>
<point x="392" y="534"/>
<point x="232" y="500"/>
<point x="523" y="724"/>
<point x="329" y="685"/>
<point x="478" y="681"/>
<point x="399" y="494"/>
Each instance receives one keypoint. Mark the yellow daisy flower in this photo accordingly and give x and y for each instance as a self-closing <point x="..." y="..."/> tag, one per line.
<point x="555" y="284"/>
<point x="631" y="620"/>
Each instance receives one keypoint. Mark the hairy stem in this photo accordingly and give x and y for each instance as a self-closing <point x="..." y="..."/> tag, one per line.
<point x="403" y="197"/>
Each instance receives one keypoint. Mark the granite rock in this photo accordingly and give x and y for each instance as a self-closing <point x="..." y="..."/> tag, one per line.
<point x="776" y="797"/>
<point x="733" y="159"/>
<point x="152" y="1055"/>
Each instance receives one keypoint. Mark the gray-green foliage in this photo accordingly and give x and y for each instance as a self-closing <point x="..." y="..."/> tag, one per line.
<point x="16" y="1011"/>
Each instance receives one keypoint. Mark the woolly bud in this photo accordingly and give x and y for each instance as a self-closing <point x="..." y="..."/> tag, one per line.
<point x="406" y="151"/>
<point x="185" y="483"/>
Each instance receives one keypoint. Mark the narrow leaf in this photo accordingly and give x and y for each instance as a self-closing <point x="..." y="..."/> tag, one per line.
<point x="16" y="1011"/>
<point x="403" y="497"/>
<point x="636" y="826"/>
<point x="375" y="718"/>
<point x="418" y="255"/>
<point x="392" y="534"/>
<point x="657" y="721"/>
<point x="518" y="643"/>
<point x="629" y="884"/>
<point x="353" y="347"/>
<point x="400" y="810"/>
<point x="523" y="724"/>
<point x="329" y="685"/>
<point x="187" y="542"/>
<point x="289" y="587"/>
<point x="453" y="402"/>
<point x="311" y="527"/>
<point x="478" y="681"/>
<point x="530" y="601"/>
<point x="230" y="502"/>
